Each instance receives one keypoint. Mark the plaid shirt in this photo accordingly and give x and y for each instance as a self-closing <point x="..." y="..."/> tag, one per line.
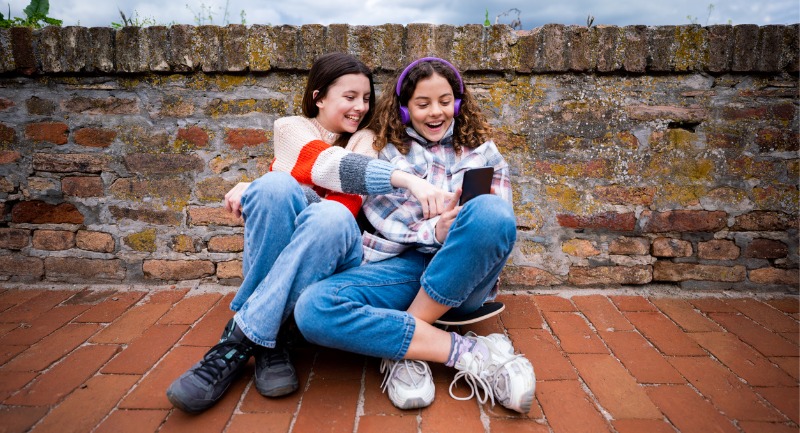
<point x="397" y="216"/>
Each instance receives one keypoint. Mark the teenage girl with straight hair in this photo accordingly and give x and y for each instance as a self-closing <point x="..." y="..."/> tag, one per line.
<point x="300" y="226"/>
<point x="428" y="124"/>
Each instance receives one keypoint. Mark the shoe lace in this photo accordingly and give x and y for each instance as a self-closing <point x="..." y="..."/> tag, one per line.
<point x="484" y="379"/>
<point x="272" y="356"/>
<point x="219" y="359"/>
<point x="414" y="369"/>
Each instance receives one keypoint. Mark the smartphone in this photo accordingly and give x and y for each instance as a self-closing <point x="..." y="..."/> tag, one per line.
<point x="477" y="181"/>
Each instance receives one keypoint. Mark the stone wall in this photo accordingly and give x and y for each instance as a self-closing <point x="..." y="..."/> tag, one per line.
<point x="639" y="154"/>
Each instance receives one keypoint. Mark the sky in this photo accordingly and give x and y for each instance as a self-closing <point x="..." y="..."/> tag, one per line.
<point x="530" y="13"/>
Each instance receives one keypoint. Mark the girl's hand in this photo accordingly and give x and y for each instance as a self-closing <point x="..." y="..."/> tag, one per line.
<point x="448" y="216"/>
<point x="233" y="199"/>
<point x="432" y="198"/>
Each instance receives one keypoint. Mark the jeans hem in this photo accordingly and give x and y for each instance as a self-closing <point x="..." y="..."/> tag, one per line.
<point x="249" y="333"/>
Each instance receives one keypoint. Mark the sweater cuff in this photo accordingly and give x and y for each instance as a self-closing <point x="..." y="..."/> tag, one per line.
<point x="378" y="177"/>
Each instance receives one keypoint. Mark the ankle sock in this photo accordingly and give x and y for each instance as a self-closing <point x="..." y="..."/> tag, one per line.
<point x="460" y="345"/>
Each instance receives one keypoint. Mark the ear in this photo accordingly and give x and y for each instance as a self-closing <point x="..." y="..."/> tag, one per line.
<point x="314" y="97"/>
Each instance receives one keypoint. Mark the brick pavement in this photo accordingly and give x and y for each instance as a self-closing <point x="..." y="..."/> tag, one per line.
<point x="98" y="359"/>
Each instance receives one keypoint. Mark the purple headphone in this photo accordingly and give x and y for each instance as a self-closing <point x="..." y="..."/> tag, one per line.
<point x="405" y="117"/>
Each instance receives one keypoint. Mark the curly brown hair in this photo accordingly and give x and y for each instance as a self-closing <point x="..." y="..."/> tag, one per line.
<point x="471" y="127"/>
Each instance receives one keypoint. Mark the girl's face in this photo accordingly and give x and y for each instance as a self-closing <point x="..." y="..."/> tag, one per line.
<point x="431" y="107"/>
<point x="345" y="104"/>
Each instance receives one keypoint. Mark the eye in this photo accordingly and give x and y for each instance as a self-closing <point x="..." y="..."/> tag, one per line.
<point x="350" y="98"/>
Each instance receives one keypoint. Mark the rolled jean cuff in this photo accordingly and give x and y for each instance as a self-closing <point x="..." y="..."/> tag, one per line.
<point x="410" y="327"/>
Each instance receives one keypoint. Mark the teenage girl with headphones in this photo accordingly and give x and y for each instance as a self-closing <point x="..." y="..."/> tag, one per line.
<point x="428" y="125"/>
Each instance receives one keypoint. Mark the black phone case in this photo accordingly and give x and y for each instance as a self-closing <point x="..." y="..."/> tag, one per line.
<point x="477" y="181"/>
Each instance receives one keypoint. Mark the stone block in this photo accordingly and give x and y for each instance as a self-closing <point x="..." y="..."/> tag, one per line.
<point x="582" y="43"/>
<point x="787" y="277"/>
<point x="554" y="48"/>
<point x="171" y="190"/>
<point x="94" y="137"/>
<point x="670" y="247"/>
<point x="183" y="57"/>
<point x="579" y="248"/>
<point x="49" y="52"/>
<point x="229" y="269"/>
<point x="287" y="46"/>
<point x="50" y="132"/>
<point x="514" y="277"/>
<point x="7" y="63"/>
<point x="766" y="249"/>
<point x="146" y="215"/>
<point x="720" y="48"/>
<point x="53" y="240"/>
<point x="661" y="51"/>
<point x="669" y="271"/>
<point x="234" y="48"/>
<point x="605" y="221"/>
<point x="745" y="42"/>
<point x="82" y="186"/>
<point x="70" y="162"/>
<point x="74" y="269"/>
<point x="14" y="239"/>
<point x="260" y="48"/>
<point x="110" y="105"/>
<point x="22" y="42"/>
<point x="95" y="241"/>
<point x="205" y="216"/>
<point x="629" y="246"/>
<point x="131" y="50"/>
<point x="610" y="275"/>
<point x="209" y="48"/>
<point x="718" y="249"/>
<point x="226" y="244"/>
<point x="770" y="48"/>
<point x="391" y="49"/>
<point x="177" y="270"/>
<point x="27" y="268"/>
<point x="634" y="43"/>
<point x="691" y="50"/>
<point x="683" y="221"/>
<point x="101" y="52"/>
<point x="765" y="221"/>
<point x="528" y="49"/>
<point x="40" y="107"/>
<point x="39" y="212"/>
<point x="163" y="164"/>
<point x="792" y="47"/>
<point x="500" y="40"/>
<point x="239" y="138"/>
<point x="7" y="134"/>
<point x="609" y="42"/>
<point x="419" y="41"/>
<point x="75" y="42"/>
<point x="156" y="39"/>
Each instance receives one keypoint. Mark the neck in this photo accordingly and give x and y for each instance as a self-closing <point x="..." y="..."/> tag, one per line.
<point x="327" y="136"/>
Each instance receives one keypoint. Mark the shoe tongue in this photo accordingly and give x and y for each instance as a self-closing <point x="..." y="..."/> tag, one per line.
<point x="406" y="373"/>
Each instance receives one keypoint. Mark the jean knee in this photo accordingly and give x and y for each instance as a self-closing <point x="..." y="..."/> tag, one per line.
<point x="272" y="189"/>
<point x="495" y="216"/>
<point x="308" y="313"/>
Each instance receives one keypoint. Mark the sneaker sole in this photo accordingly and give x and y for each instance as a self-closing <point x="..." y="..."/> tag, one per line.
<point x="279" y="391"/>
<point x="483" y="312"/>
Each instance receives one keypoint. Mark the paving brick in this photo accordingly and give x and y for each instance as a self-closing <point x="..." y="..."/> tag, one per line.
<point x="766" y="427"/>
<point x="35" y="307"/>
<point x="573" y="334"/>
<point x="189" y="309"/>
<point x="632" y="303"/>
<point x="712" y="305"/>
<point x="730" y="395"/>
<point x="253" y="402"/>
<point x="765" y="315"/>
<point x="615" y="389"/>
<point x="206" y="332"/>
<point x="569" y="409"/>
<point x="13" y="381"/>
<point x="642" y="426"/>
<point x="786" y="399"/>
<point x="87" y="406"/>
<point x="641" y="358"/>
<point x="9" y="352"/>
<point x="108" y="311"/>
<point x="688" y="411"/>
<point x="170" y="296"/>
<point x="132" y="421"/>
<point x="520" y="312"/>
<point x="760" y="338"/>
<point x="20" y="419"/>
<point x="263" y="422"/>
<point x="549" y="363"/>
<point x="602" y="313"/>
<point x="51" y="348"/>
<point x="57" y="382"/>
<point x="553" y="303"/>
<point x="682" y="313"/>
<point x="213" y="419"/>
<point x="376" y="402"/>
<point x="150" y="392"/>
<point x="504" y="425"/>
<point x="332" y="364"/>
<point x="789" y="364"/>
<point x="38" y="328"/>
<point x="131" y="324"/>
<point x="664" y="334"/>
<point x="445" y="412"/>
<point x="787" y="305"/>
<point x="743" y="360"/>
<point x="335" y="402"/>
<point x="10" y="298"/>
<point x="143" y="352"/>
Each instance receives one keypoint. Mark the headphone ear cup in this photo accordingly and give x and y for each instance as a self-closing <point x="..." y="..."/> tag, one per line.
<point x="456" y="107"/>
<point x="404" y="116"/>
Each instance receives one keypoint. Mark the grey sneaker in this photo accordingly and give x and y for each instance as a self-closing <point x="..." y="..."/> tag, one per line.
<point x="204" y="384"/>
<point x="409" y="383"/>
<point x="275" y="374"/>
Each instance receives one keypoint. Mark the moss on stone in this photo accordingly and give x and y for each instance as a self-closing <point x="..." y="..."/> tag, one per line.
<point x="142" y="241"/>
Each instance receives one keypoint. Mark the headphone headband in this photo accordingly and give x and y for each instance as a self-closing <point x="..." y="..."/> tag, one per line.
<point x="428" y="59"/>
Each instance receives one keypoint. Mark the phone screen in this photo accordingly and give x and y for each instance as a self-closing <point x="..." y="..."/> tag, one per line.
<point x="477" y="181"/>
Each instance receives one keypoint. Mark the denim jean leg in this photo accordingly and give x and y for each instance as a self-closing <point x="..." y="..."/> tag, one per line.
<point x="464" y="271"/>
<point x="326" y="240"/>
<point x="363" y="310"/>
<point x="270" y="206"/>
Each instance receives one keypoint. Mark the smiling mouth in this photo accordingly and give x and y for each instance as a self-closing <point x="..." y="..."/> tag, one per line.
<point x="434" y="125"/>
<point x="353" y="118"/>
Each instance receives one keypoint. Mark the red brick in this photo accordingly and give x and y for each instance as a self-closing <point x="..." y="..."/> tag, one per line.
<point x="303" y="360"/>
<point x="21" y="419"/>
<point x="788" y="277"/>
<point x="629" y="246"/>
<point x="573" y="333"/>
<point x="760" y="338"/>
<point x="206" y="332"/>
<point x="724" y="389"/>
<point x="226" y="244"/>
<point x="71" y="162"/>
<point x="615" y="389"/>
<point x="170" y="296"/>
<point x="275" y="423"/>
<point x="132" y="421"/>
<point x="110" y="105"/>
<point x="785" y="399"/>
<point x="670" y="247"/>
<point x="789" y="364"/>
<point x="229" y="269"/>
<point x="131" y="324"/>
<point x="34" y="306"/>
<point x="64" y="377"/>
<point x="53" y="240"/>
<point x="582" y="415"/>
<point x="13" y="381"/>
<point x="53" y="132"/>
<point x="712" y="305"/>
<point x="553" y="303"/>
<point x="110" y="309"/>
<point x="82" y="186"/>
<point x="602" y="313"/>
<point x="683" y="221"/>
<point x="42" y="326"/>
<point x="149" y="393"/>
<point x="610" y="275"/>
<point x="688" y="411"/>
<point x="14" y="239"/>
<point x="664" y="334"/>
<point x="520" y="312"/>
<point x="718" y="249"/>
<point x="549" y="363"/>
<point x="94" y="137"/>
<point x="764" y="221"/>
<point x="51" y="348"/>
<point x="668" y="271"/>
<point x="81" y="269"/>
<point x="142" y="353"/>
<point x="766" y="427"/>
<point x="620" y="222"/>
<point x="743" y="360"/>
<point x="88" y="405"/>
<point x="203" y="216"/>
<point x="641" y="426"/>
<point x="95" y="241"/>
<point x="764" y="314"/>
<point x="9" y="352"/>
<point x="39" y="212"/>
<point x="335" y="402"/>
<point x="189" y="309"/>
<point x="445" y="412"/>
<point x="24" y="267"/>
<point x="332" y="364"/>
<point x="169" y="270"/>
<point x="194" y="135"/>
<point x="622" y="195"/>
<point x="504" y="425"/>
<point x="682" y="313"/>
<point x="787" y="305"/>
<point x="641" y="358"/>
<point x="527" y="276"/>
<point x="239" y="138"/>
<point x="766" y="249"/>
<point x="632" y="303"/>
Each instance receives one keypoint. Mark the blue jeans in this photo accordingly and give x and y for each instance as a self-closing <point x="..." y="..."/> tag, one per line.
<point x="362" y="310"/>
<point x="288" y="245"/>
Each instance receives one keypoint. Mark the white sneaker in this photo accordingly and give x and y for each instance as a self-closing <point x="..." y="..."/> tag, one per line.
<point x="504" y="376"/>
<point x="409" y="382"/>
